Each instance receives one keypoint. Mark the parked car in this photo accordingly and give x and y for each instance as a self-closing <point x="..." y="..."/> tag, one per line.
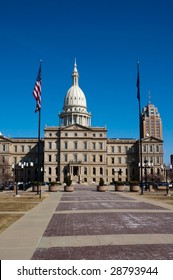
<point x="162" y="186"/>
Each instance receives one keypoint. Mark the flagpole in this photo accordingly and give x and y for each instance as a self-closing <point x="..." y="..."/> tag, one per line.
<point x="39" y="164"/>
<point x="37" y="96"/>
<point x="140" y="133"/>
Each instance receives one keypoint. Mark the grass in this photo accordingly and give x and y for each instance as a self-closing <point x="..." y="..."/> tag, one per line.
<point x="13" y="208"/>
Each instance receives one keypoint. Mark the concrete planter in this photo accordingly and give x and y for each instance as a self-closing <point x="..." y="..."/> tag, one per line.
<point x="34" y="188"/>
<point x="134" y="188"/>
<point x="119" y="188"/>
<point x="101" y="188"/>
<point x="53" y="188"/>
<point x="68" y="188"/>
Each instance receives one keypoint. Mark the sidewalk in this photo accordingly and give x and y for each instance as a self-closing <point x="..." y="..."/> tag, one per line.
<point x="87" y="224"/>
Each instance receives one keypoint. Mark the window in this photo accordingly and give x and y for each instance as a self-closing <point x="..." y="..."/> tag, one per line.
<point x="119" y="149"/>
<point x="101" y="145"/>
<point x="66" y="145"/>
<point x="119" y="160"/>
<point x="101" y="135"/>
<point x="101" y="171"/>
<point x="29" y="148"/>
<point x="85" y="134"/>
<point x="112" y="160"/>
<point x="94" y="158"/>
<point x="66" y="134"/>
<point x="157" y="148"/>
<point x="94" y="135"/>
<point x="3" y="148"/>
<point x="65" y="158"/>
<point x="50" y="145"/>
<point x="85" y="158"/>
<point x="113" y="171"/>
<point x="50" y="158"/>
<point x="151" y="148"/>
<point x="101" y="158"/>
<point x="94" y="171"/>
<point x="112" y="149"/>
<point x="75" y="157"/>
<point x="94" y="145"/>
<point x="23" y="148"/>
<point x="145" y="149"/>
<point x="85" y="145"/>
<point x="85" y="170"/>
<point x="75" y="145"/>
<point x="75" y="134"/>
<point x="50" y="170"/>
<point x="15" y="149"/>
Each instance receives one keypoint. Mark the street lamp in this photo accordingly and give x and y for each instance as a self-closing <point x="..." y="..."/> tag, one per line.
<point x="145" y="166"/>
<point x="15" y="178"/>
<point x="23" y="166"/>
<point x="166" y="171"/>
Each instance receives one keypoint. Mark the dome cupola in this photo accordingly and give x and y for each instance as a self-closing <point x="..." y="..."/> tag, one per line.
<point x="75" y="105"/>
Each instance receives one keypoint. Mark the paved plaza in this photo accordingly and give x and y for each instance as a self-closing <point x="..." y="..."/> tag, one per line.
<point x="87" y="224"/>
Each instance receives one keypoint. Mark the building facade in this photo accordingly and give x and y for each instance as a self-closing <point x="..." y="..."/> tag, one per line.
<point x="76" y="149"/>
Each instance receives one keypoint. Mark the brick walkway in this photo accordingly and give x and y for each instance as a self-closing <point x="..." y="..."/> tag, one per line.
<point x="90" y="225"/>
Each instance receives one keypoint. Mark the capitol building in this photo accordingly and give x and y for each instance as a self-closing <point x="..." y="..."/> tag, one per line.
<point x="77" y="149"/>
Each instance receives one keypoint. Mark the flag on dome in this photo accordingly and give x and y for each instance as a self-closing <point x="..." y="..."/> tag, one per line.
<point x="37" y="90"/>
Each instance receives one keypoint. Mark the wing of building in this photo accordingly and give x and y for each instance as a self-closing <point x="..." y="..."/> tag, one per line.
<point x="74" y="148"/>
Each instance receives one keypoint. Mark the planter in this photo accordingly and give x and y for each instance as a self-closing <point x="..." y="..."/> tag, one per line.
<point x="101" y="188"/>
<point x="34" y="188"/>
<point x="68" y="188"/>
<point x="119" y="188"/>
<point x="53" y="188"/>
<point x="134" y="188"/>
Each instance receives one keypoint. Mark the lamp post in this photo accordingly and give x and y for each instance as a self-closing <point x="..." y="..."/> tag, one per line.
<point x="24" y="165"/>
<point x="166" y="171"/>
<point x="146" y="165"/>
<point x="15" y="179"/>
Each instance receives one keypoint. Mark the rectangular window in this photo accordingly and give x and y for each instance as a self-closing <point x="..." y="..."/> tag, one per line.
<point x="101" y="158"/>
<point x="112" y="160"/>
<point x="94" y="145"/>
<point x="85" y="158"/>
<point x="119" y="149"/>
<point x="15" y="149"/>
<point x="85" y="145"/>
<point x="75" y="145"/>
<point x="50" y="158"/>
<point x="66" y="145"/>
<point x="65" y="158"/>
<point x="50" y="145"/>
<point x="3" y="148"/>
<point x="23" y="148"/>
<point x="112" y="149"/>
<point x="119" y="160"/>
<point x="94" y="158"/>
<point x="101" y="145"/>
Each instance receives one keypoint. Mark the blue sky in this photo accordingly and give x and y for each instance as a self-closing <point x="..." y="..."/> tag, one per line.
<point x="107" y="37"/>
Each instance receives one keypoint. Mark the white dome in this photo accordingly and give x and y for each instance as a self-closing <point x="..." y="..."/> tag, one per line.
<point x="75" y="106"/>
<point x="75" y="97"/>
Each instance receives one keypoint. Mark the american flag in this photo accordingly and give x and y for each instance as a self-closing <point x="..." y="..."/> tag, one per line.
<point x="37" y="90"/>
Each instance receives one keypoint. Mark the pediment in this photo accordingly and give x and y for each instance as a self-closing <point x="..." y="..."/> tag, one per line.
<point x="75" y="127"/>
<point x="151" y="139"/>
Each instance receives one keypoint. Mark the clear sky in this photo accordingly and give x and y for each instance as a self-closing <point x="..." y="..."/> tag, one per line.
<point x="107" y="37"/>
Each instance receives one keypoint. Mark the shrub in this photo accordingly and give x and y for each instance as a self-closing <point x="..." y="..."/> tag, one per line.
<point x="68" y="181"/>
<point x="101" y="182"/>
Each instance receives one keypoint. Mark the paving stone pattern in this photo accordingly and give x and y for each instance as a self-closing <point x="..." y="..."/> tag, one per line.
<point x="105" y="223"/>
